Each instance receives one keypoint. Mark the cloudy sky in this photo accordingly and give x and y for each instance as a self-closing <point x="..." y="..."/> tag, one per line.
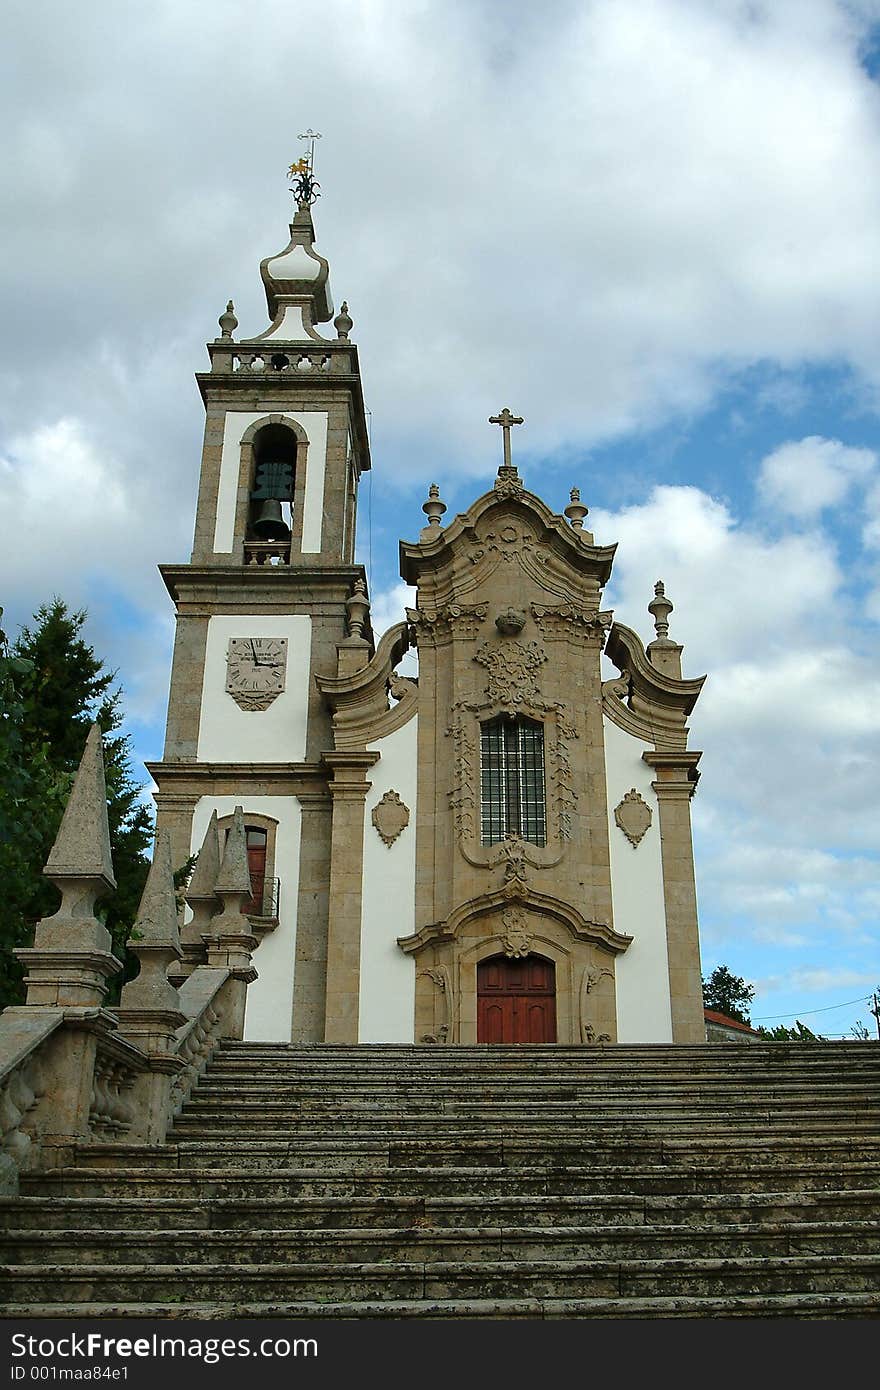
<point x="650" y="227"/>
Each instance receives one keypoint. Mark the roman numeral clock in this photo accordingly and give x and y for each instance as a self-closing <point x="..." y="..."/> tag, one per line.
<point x="255" y="670"/>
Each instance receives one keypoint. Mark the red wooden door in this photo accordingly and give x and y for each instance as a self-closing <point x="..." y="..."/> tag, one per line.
<point x="516" y="1000"/>
<point x="256" y="853"/>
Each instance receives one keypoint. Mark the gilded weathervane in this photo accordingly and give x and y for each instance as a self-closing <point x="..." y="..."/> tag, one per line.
<point x="305" y="187"/>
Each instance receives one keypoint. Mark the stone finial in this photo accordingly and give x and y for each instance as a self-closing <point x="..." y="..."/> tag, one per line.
<point x="155" y="938"/>
<point x="71" y="959"/>
<point x="228" y="322"/>
<point x="201" y="897"/>
<point x="433" y="508"/>
<point x="206" y="868"/>
<point x="82" y="845"/>
<point x="660" y="607"/>
<point x="576" y="511"/>
<point x="343" y="323"/>
<point x="357" y="607"/>
<point x="663" y="652"/>
<point x="230" y="942"/>
<point x="234" y="878"/>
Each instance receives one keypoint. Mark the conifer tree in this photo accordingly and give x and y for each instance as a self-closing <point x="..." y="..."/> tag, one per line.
<point x="54" y="687"/>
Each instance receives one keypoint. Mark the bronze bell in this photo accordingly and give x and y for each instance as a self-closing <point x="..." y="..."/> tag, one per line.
<point x="270" y="524"/>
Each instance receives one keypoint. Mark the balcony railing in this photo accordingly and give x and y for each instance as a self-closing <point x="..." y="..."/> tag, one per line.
<point x="262" y="909"/>
<point x="267" y="552"/>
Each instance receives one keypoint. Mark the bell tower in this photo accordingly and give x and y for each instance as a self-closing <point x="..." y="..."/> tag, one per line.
<point x="262" y="608"/>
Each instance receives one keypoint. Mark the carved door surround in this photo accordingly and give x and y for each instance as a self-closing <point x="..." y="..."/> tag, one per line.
<point x="448" y="954"/>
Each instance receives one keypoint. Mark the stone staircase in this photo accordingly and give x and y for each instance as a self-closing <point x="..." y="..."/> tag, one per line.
<point x="476" y="1182"/>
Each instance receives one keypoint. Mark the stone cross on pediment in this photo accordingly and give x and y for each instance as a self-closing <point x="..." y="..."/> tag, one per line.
<point x="506" y="420"/>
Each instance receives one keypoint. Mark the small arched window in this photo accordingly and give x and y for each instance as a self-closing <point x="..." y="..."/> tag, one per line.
<point x="512" y="794"/>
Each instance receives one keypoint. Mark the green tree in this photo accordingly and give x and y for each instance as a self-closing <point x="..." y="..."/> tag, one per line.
<point x="55" y="688"/>
<point x="799" y="1033"/>
<point x="728" y="994"/>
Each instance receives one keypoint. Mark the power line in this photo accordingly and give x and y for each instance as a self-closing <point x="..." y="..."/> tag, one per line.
<point x="798" y="1013"/>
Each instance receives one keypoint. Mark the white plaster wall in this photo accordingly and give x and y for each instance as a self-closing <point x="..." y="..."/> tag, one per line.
<point x="270" y="998"/>
<point x="229" y="734"/>
<point x="642" y="972"/>
<point x="314" y="422"/>
<point x="387" y="995"/>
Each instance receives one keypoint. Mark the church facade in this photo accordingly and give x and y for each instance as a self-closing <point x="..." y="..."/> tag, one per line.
<point x="496" y="850"/>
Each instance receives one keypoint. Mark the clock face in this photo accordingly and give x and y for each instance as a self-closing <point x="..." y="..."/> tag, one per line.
<point x="255" y="670"/>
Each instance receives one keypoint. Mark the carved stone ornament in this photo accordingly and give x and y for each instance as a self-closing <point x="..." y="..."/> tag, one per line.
<point x="512" y="671"/>
<point x="255" y="670"/>
<point x="633" y="816"/>
<point x="461" y="618"/>
<point x="511" y="621"/>
<point x="390" y="817"/>
<point x="517" y="942"/>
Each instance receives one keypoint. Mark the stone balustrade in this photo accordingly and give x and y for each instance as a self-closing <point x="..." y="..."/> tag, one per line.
<point x="75" y="1072"/>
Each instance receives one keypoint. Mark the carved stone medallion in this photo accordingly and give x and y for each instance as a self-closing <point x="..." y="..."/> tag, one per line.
<point x="516" y="941"/>
<point x="255" y="670"/>
<point x="512" y="667"/>
<point x="390" y="817"/>
<point x="633" y="816"/>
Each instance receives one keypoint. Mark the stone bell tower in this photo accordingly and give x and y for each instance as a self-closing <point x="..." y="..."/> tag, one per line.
<point x="264" y="602"/>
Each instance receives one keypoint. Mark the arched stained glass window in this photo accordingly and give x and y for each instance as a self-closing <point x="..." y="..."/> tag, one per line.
<point x="512" y="793"/>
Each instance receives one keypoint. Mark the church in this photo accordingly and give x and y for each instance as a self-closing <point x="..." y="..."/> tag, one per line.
<point x="497" y="850"/>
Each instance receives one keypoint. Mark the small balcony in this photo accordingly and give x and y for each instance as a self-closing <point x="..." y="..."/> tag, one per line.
<point x="262" y="909"/>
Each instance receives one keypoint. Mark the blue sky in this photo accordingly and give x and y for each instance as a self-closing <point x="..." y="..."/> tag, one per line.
<point x="650" y="228"/>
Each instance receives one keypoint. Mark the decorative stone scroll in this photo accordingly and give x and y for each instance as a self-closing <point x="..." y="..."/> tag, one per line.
<point x="565" y="618"/>
<point x="633" y="816"/>
<point x="512" y="668"/>
<point x="390" y="817"/>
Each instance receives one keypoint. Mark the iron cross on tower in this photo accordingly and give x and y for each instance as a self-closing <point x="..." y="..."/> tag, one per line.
<point x="505" y="420"/>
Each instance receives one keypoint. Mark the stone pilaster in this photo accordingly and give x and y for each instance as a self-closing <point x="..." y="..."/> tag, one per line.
<point x="675" y="784"/>
<point x="313" y="896"/>
<point x="348" y="788"/>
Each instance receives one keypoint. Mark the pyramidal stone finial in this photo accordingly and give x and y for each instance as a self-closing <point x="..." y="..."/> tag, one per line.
<point x="82" y="845"/>
<point x="234" y="876"/>
<point x="156" y="921"/>
<point x="207" y="865"/>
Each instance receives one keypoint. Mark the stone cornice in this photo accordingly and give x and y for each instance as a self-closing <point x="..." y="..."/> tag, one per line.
<point x="242" y="585"/>
<point x="179" y="779"/>
<point x="676" y="770"/>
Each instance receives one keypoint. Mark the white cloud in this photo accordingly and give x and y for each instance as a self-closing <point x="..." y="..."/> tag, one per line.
<point x="801" y="478"/>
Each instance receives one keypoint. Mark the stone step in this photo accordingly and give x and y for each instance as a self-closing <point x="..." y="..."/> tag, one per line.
<point x="493" y="1279"/>
<point x="747" y="1119"/>
<point x="424" y="1243"/>
<point x="108" y="1214"/>
<point x="443" y="1151"/>
<point x="250" y="1109"/>
<point x="371" y="1179"/>
<point x="790" y="1306"/>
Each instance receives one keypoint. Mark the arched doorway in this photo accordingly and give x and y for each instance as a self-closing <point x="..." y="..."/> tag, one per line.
<point x="516" y="1000"/>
